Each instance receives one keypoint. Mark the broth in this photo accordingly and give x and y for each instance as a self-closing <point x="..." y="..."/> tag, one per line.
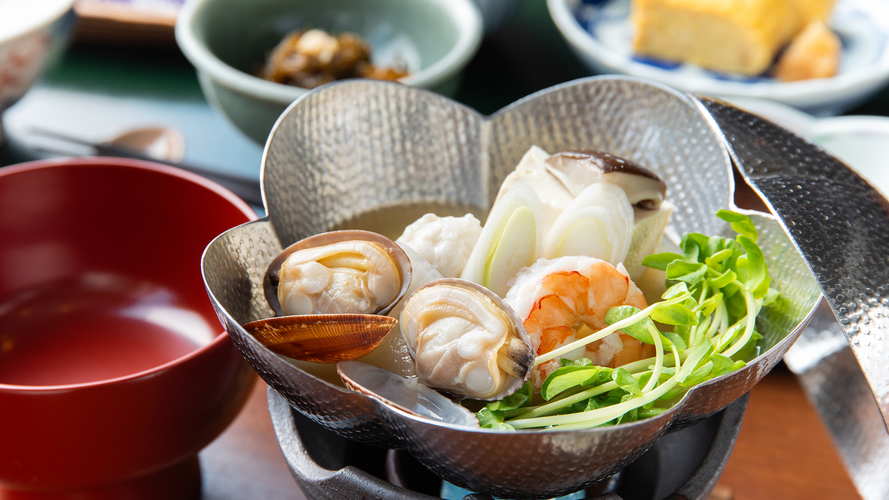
<point x="391" y="220"/>
<point x="94" y="327"/>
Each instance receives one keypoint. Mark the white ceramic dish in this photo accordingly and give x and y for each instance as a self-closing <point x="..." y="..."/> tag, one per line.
<point x="600" y="34"/>
<point x="862" y="142"/>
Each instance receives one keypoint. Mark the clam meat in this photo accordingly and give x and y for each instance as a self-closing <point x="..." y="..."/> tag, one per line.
<point x="341" y="272"/>
<point x="465" y="340"/>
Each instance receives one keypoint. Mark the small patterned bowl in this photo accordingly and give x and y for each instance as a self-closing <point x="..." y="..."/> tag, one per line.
<point x="33" y="35"/>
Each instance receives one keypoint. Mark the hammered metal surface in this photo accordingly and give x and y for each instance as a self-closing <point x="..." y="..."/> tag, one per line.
<point x="836" y="387"/>
<point x="354" y="146"/>
<point x="839" y="222"/>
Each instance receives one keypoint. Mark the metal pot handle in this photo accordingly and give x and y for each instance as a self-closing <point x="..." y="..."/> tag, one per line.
<point x="836" y="219"/>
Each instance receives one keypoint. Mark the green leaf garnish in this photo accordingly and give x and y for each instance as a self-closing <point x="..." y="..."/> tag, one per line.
<point x="492" y="420"/>
<point x="676" y="314"/>
<point x="717" y="286"/>
<point x="723" y="365"/>
<point x="638" y="330"/>
<point x="514" y="400"/>
<point x="567" y="377"/>
<point x="741" y="224"/>
<point x="689" y="272"/>
<point x="626" y="381"/>
<point x="660" y="260"/>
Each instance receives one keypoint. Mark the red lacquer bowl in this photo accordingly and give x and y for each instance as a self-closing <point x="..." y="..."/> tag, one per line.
<point x="126" y="424"/>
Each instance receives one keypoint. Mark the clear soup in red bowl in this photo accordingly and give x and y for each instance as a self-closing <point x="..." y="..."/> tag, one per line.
<point x="114" y="371"/>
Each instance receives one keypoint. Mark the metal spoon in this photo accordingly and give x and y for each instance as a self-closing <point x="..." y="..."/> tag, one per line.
<point x="160" y="145"/>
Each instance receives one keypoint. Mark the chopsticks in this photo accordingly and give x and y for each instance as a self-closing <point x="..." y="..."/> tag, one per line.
<point x="247" y="189"/>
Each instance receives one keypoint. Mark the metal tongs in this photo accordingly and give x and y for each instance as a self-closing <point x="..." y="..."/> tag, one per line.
<point x="838" y="222"/>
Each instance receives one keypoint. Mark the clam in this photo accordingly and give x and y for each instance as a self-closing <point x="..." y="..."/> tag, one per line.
<point x="340" y="272"/>
<point x="465" y="340"/>
<point x="330" y="292"/>
<point x="404" y="393"/>
<point x="322" y="338"/>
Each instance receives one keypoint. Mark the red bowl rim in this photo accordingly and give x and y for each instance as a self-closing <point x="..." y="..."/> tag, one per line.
<point x="138" y="165"/>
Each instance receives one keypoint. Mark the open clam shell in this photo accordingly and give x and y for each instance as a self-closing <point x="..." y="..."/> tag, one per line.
<point x="405" y="393"/>
<point x="343" y="242"/>
<point x="354" y="147"/>
<point x="322" y="338"/>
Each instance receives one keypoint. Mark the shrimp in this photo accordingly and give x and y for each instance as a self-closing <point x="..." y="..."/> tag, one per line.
<point x="564" y="299"/>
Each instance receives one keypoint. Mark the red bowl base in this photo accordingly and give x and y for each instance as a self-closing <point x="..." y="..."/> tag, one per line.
<point x="181" y="481"/>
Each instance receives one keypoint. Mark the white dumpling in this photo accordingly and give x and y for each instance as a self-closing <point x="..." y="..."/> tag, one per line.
<point x="445" y="242"/>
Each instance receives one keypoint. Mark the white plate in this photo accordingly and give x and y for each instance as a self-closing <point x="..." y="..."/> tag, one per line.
<point x="600" y="34"/>
<point x="862" y="142"/>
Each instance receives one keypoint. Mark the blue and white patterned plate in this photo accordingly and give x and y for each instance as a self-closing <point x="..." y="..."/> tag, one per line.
<point x="599" y="31"/>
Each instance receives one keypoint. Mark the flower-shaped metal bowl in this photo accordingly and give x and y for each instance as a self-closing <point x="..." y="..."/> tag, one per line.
<point x="355" y="147"/>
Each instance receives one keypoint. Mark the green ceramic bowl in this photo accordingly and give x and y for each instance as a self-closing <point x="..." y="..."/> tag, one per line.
<point x="227" y="41"/>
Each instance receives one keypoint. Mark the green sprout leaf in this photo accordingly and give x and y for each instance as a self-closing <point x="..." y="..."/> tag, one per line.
<point x="722" y="280"/>
<point x="567" y="377"/>
<point x="675" y="340"/>
<point x="638" y="330"/>
<point x="723" y="365"/>
<point x="626" y="382"/>
<point x="689" y="272"/>
<point x="695" y="355"/>
<point x="492" y="420"/>
<point x="718" y="257"/>
<point x="692" y="245"/>
<point x="661" y="260"/>
<point x="701" y="374"/>
<point x="514" y="400"/>
<point x="710" y="305"/>
<point x="741" y="224"/>
<point x="675" y="314"/>
<point x="675" y="291"/>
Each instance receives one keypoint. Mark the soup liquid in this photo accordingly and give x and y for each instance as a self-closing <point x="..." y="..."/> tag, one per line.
<point x="390" y="221"/>
<point x="95" y="327"/>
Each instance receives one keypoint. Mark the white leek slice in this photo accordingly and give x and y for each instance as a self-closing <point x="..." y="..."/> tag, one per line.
<point x="598" y="223"/>
<point x="514" y="250"/>
<point x="532" y="171"/>
<point x="518" y="196"/>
